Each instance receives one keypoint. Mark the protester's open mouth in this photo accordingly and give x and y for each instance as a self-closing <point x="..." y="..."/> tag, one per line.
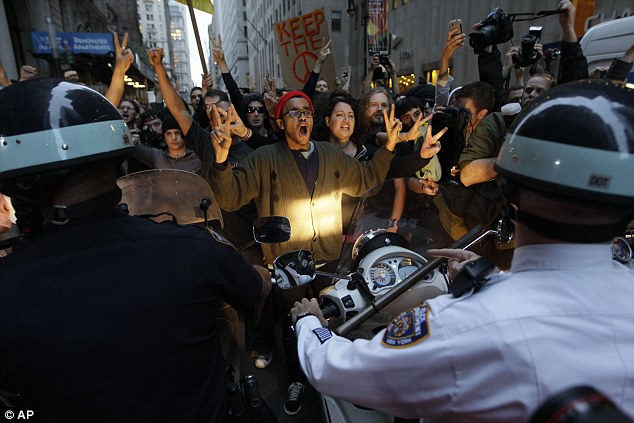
<point x="303" y="130"/>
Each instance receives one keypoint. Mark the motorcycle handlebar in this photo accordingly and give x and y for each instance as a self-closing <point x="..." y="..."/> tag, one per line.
<point x="331" y="310"/>
<point x="386" y="299"/>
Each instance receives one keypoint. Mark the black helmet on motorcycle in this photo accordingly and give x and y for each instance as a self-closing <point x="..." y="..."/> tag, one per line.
<point x="575" y="143"/>
<point x="47" y="127"/>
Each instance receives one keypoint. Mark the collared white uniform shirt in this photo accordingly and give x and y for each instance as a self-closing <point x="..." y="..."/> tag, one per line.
<point x="562" y="317"/>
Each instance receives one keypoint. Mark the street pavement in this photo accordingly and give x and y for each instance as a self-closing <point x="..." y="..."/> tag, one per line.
<point x="274" y="381"/>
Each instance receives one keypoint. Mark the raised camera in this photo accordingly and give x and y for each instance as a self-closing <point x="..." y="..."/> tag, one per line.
<point x="528" y="55"/>
<point x="384" y="59"/>
<point x="497" y="28"/>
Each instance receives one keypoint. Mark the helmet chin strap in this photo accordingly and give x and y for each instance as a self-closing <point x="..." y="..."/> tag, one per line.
<point x="61" y="215"/>
<point x="578" y="233"/>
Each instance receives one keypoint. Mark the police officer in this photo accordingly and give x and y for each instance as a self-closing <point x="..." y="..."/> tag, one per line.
<point x="103" y="316"/>
<point x="561" y="317"/>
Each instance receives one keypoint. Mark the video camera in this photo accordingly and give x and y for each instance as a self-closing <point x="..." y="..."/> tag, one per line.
<point x="497" y="28"/>
<point x="528" y="55"/>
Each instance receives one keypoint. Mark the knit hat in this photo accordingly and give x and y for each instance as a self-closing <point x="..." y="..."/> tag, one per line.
<point x="169" y="122"/>
<point x="288" y="96"/>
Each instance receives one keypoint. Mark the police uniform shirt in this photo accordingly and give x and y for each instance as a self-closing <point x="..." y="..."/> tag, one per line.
<point x="113" y="318"/>
<point x="562" y="317"/>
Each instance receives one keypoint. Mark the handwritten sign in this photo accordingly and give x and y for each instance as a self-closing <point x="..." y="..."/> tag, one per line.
<point x="299" y="40"/>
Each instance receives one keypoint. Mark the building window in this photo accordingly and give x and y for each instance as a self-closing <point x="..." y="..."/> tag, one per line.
<point x="245" y="32"/>
<point x="150" y="17"/>
<point x="335" y="19"/>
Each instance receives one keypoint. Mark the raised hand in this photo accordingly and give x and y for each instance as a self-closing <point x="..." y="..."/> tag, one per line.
<point x="393" y="128"/>
<point x="156" y="57"/>
<point x="236" y="126"/>
<point x="415" y="131"/>
<point x="431" y="145"/>
<point x="217" y="51"/>
<point x="325" y="51"/>
<point x="270" y="95"/>
<point x="220" y="134"/>
<point x="123" y="56"/>
<point x="207" y="81"/>
<point x="27" y="72"/>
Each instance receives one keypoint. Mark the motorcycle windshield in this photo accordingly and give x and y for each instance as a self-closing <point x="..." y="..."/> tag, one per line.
<point x="419" y="221"/>
<point x="178" y="192"/>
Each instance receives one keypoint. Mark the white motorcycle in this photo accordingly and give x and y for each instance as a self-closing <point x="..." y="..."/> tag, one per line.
<point x="382" y="271"/>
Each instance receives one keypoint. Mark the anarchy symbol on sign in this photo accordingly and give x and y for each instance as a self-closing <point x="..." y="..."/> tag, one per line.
<point x="303" y="64"/>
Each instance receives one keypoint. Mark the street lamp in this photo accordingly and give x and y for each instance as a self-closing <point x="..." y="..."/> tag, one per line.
<point x="352" y="8"/>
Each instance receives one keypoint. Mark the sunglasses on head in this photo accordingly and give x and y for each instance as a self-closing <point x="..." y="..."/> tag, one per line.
<point x="259" y="110"/>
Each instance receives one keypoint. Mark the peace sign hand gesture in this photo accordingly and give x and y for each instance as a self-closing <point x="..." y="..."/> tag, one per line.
<point x="393" y="128"/>
<point x="217" y="51"/>
<point x="220" y="134"/>
<point x="270" y="95"/>
<point x="123" y="56"/>
<point x="431" y="145"/>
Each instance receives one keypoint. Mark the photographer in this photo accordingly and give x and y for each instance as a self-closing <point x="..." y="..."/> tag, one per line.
<point x="476" y="162"/>
<point x="382" y="70"/>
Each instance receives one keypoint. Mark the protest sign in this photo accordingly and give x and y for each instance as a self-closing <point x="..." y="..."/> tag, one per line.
<point x="299" y="40"/>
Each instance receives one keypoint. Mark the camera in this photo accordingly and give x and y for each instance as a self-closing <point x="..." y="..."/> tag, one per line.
<point x="150" y="138"/>
<point x="552" y="53"/>
<point x="453" y="141"/>
<point x="384" y="59"/>
<point x="528" y="55"/>
<point x="496" y="28"/>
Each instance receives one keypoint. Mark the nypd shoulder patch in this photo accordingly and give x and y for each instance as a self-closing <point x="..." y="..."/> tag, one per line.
<point x="322" y="334"/>
<point x="407" y="329"/>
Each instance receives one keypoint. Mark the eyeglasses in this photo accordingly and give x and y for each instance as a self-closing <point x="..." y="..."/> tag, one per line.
<point x="197" y="96"/>
<point x="259" y="110"/>
<point x="296" y="113"/>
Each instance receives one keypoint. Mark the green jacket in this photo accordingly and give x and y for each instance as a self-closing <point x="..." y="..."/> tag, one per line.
<point x="270" y="176"/>
<point x="486" y="140"/>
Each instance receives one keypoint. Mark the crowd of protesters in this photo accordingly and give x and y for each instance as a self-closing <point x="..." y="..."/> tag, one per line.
<point x="256" y="148"/>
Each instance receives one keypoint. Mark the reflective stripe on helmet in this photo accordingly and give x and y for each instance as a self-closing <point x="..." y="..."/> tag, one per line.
<point x="22" y="154"/>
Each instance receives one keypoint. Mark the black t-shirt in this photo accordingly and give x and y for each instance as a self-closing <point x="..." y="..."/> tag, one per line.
<point x="113" y="318"/>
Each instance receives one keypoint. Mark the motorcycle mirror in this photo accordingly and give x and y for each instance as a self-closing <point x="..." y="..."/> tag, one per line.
<point x="272" y="229"/>
<point x="294" y="269"/>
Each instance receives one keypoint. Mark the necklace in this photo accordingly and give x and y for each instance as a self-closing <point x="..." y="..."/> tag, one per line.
<point x="180" y="156"/>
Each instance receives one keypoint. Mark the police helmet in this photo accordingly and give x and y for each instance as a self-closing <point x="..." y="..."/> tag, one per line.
<point x="49" y="126"/>
<point x="575" y="142"/>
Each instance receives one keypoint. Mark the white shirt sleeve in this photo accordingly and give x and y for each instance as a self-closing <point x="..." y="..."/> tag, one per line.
<point x="408" y="381"/>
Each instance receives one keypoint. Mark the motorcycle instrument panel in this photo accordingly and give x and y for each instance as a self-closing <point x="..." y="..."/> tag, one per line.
<point x="382" y="275"/>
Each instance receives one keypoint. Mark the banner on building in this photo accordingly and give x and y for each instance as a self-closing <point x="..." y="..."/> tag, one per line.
<point x="299" y="40"/>
<point x="377" y="33"/>
<point x="74" y="42"/>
